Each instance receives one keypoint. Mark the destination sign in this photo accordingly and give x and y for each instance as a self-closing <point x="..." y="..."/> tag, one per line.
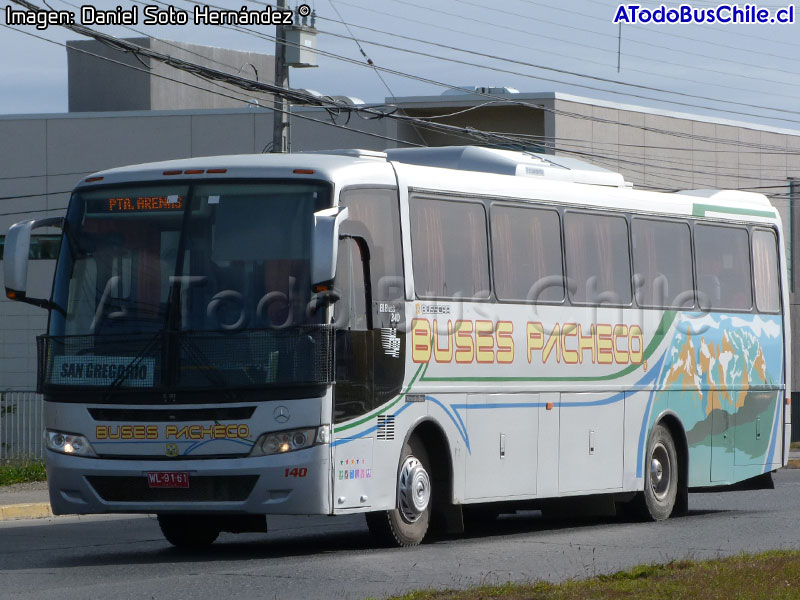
<point x="135" y="204"/>
<point x="102" y="371"/>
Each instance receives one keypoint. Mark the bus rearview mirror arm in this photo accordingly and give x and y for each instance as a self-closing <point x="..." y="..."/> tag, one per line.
<point x="15" y="261"/>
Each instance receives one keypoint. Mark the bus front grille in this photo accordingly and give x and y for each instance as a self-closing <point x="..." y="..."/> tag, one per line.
<point x="218" y="488"/>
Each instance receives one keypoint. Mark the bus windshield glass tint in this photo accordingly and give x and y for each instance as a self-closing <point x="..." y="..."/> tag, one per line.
<point x="205" y="257"/>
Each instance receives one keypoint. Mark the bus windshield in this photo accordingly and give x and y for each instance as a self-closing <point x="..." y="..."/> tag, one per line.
<point x="141" y="261"/>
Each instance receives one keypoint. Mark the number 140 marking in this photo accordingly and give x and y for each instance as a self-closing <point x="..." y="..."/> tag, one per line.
<point x="301" y="472"/>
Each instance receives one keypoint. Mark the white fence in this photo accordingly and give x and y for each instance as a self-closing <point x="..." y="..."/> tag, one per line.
<point x="21" y="426"/>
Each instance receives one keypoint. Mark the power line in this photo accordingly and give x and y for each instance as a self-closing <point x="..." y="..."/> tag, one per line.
<point x="512" y="101"/>
<point x="370" y="62"/>
<point x="449" y="129"/>
<point x="43" y="175"/>
<point x="658" y="31"/>
<point x="250" y="85"/>
<point x="648" y="43"/>
<point x="350" y="108"/>
<point x="582" y="59"/>
<point x="35" y="196"/>
<point x="562" y="71"/>
<point x="737" y="31"/>
<point x="244" y="100"/>
<point x="575" y="74"/>
<point x="594" y="88"/>
<point x="246" y="31"/>
<point x="505" y="27"/>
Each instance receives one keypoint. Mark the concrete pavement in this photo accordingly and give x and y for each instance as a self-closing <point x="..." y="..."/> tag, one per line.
<point x="24" y="501"/>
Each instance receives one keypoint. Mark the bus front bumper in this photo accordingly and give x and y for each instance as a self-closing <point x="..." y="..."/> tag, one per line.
<point x="292" y="483"/>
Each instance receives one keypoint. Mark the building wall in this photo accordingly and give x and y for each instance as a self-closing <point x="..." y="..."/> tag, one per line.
<point x="106" y="79"/>
<point x="43" y="157"/>
<point x="96" y="83"/>
<point x="502" y="119"/>
<point x="173" y="89"/>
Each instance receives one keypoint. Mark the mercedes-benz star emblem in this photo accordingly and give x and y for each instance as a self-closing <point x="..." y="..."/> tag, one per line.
<point x="281" y="414"/>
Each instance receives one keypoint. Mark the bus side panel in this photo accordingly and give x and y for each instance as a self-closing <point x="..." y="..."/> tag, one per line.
<point x="502" y="462"/>
<point x="637" y="411"/>
<point x="591" y="442"/>
<point x="722" y="378"/>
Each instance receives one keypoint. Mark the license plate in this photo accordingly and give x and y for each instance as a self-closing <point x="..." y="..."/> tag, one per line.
<point x="168" y="479"/>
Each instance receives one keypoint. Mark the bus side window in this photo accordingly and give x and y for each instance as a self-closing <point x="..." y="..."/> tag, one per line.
<point x="451" y="255"/>
<point x="598" y="261"/>
<point x="765" y="271"/>
<point x="662" y="263"/>
<point x="350" y="309"/>
<point x="723" y="267"/>
<point x="375" y="214"/>
<point x="526" y="253"/>
<point x="369" y="369"/>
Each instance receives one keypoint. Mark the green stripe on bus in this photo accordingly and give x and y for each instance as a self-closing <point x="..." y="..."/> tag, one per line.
<point x="385" y="407"/>
<point x="700" y="210"/>
<point x="661" y="331"/>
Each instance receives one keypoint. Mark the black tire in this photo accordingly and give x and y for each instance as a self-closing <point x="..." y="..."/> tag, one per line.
<point x="661" y="477"/>
<point x="189" y="531"/>
<point x="407" y="524"/>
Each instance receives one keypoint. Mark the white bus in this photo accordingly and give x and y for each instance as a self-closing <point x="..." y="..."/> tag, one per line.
<point x="408" y="335"/>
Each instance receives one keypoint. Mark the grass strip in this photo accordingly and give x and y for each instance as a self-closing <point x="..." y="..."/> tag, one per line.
<point x="767" y="576"/>
<point x="11" y="473"/>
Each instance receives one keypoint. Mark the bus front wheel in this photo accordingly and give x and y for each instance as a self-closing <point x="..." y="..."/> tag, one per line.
<point x="657" y="501"/>
<point x="407" y="524"/>
<point x="189" y="531"/>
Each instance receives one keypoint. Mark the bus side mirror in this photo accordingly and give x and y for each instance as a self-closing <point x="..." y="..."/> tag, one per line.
<point x="15" y="259"/>
<point x="325" y="243"/>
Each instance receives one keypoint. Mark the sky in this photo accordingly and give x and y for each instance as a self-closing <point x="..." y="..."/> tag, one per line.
<point x="739" y="72"/>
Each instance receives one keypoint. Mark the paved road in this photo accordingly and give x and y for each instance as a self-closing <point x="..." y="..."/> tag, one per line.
<point x="320" y="557"/>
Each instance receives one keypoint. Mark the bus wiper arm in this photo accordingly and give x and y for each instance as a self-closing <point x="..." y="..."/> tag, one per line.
<point x="122" y="376"/>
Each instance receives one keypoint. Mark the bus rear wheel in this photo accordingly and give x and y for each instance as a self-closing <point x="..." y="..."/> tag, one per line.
<point x="658" y="499"/>
<point x="189" y="531"/>
<point x="407" y="524"/>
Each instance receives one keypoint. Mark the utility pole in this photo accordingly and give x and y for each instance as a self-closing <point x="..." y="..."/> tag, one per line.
<point x="280" y="116"/>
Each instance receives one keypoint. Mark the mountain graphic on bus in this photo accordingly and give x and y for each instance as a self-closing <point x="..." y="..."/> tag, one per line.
<point x="720" y="386"/>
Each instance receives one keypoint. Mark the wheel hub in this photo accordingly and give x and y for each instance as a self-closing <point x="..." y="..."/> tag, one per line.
<point x="414" y="487"/>
<point x="660" y="471"/>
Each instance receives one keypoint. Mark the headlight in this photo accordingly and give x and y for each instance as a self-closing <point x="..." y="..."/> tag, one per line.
<point x="280" y="442"/>
<point x="68" y="443"/>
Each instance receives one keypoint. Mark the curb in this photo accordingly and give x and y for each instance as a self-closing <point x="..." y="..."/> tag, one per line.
<point x="35" y="510"/>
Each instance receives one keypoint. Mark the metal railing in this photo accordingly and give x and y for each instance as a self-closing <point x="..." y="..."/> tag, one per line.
<point x="21" y="426"/>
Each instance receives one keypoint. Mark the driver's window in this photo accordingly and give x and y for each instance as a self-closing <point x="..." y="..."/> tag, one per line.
<point x="369" y="363"/>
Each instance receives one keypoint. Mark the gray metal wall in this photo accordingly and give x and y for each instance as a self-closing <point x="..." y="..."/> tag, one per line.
<point x="105" y="79"/>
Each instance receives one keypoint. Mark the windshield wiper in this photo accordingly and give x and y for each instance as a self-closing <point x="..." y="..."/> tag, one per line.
<point x="123" y="375"/>
<point x="198" y="359"/>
